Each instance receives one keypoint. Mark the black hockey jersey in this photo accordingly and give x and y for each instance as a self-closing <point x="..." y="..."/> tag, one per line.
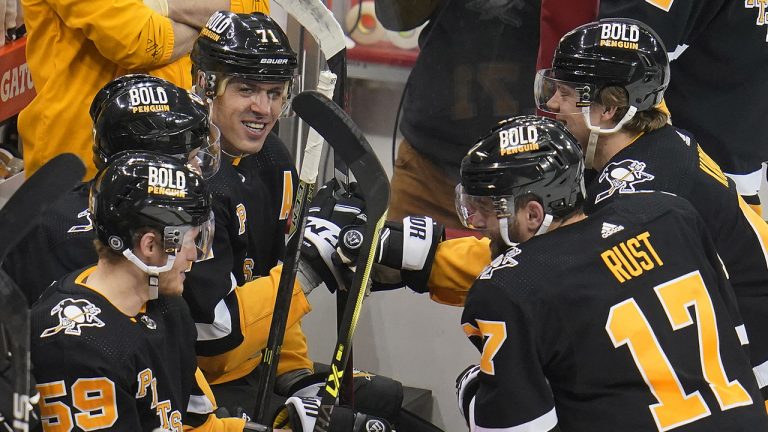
<point x="670" y="160"/>
<point x="62" y="242"/>
<point x="97" y="368"/>
<point x="270" y="173"/>
<point x="252" y="202"/>
<point x="718" y="88"/>
<point x="476" y="67"/>
<point x="612" y="324"/>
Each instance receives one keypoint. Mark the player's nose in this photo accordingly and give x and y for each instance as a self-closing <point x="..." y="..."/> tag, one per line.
<point x="553" y="103"/>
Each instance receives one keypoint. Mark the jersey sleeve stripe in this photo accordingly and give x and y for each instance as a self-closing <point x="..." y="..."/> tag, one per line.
<point x="199" y="404"/>
<point x="761" y="373"/>
<point x="741" y="332"/>
<point x="222" y="321"/>
<point x="758" y="226"/>
<point x="542" y="424"/>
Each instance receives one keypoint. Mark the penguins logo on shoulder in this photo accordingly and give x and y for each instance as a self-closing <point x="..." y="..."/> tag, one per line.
<point x="501" y="261"/>
<point x="73" y="316"/>
<point x="622" y="177"/>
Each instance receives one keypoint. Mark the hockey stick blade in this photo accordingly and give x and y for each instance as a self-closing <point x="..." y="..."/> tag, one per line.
<point x="348" y="141"/>
<point x="307" y="179"/>
<point x="321" y="24"/>
<point x="314" y="16"/>
<point x="17" y="218"/>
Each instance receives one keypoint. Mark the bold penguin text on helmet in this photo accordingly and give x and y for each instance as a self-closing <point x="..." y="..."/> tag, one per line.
<point x="619" y="35"/>
<point x="148" y="99"/>
<point x="166" y="181"/>
<point x="518" y="139"/>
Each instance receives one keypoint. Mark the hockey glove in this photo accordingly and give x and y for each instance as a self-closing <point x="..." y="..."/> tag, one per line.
<point x="408" y="246"/>
<point x="466" y="388"/>
<point x="300" y="415"/>
<point x="331" y="209"/>
<point x="376" y="395"/>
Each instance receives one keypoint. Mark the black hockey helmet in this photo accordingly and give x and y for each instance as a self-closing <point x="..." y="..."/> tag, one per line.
<point x="150" y="190"/>
<point x="142" y="112"/>
<point x="611" y="52"/>
<point x="521" y="155"/>
<point x="251" y="46"/>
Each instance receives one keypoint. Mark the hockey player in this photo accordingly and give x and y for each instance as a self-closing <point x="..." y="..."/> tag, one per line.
<point x="133" y="112"/>
<point x="245" y="74"/>
<point x="717" y="52"/>
<point x="244" y="67"/>
<point x="584" y="322"/>
<point x="113" y="344"/>
<point x="133" y="336"/>
<point x="605" y="89"/>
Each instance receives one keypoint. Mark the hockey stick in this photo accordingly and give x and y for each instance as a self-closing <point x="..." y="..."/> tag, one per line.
<point x="323" y="26"/>
<point x="17" y="218"/>
<point x="320" y="22"/>
<point x="314" y="16"/>
<point x="349" y="142"/>
<point x="306" y="190"/>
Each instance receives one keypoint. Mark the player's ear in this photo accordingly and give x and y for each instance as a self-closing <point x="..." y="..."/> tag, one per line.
<point x="148" y="247"/>
<point x="608" y="113"/>
<point x="533" y="216"/>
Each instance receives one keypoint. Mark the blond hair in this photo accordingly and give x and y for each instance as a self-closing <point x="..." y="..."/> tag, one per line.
<point x="643" y="121"/>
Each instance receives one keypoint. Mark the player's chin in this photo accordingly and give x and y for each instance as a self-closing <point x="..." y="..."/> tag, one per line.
<point x="251" y="145"/>
<point x="173" y="286"/>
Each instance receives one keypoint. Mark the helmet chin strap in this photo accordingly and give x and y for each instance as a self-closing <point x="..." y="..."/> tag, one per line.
<point x="504" y="228"/>
<point x="152" y="271"/>
<point x="544" y="227"/>
<point x="595" y="131"/>
<point x="504" y="231"/>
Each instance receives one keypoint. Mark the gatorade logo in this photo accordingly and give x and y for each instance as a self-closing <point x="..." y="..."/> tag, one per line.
<point x="518" y="139"/>
<point x="620" y="35"/>
<point x="167" y="181"/>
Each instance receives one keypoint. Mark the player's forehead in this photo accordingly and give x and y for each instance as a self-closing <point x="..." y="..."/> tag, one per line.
<point x="264" y="85"/>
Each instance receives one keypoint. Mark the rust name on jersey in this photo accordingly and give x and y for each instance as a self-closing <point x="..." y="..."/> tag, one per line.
<point x="631" y="258"/>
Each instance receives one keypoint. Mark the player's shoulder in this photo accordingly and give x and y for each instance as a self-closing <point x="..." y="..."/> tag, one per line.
<point x="69" y="314"/>
<point x="272" y="160"/>
<point x="69" y="209"/>
<point x="645" y="210"/>
<point x="644" y="206"/>
<point x="661" y="144"/>
<point x="520" y="272"/>
<point x="225" y="183"/>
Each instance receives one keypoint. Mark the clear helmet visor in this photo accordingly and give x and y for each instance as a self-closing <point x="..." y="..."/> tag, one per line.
<point x="560" y="97"/>
<point x="198" y="237"/>
<point x="206" y="160"/>
<point x="475" y="211"/>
